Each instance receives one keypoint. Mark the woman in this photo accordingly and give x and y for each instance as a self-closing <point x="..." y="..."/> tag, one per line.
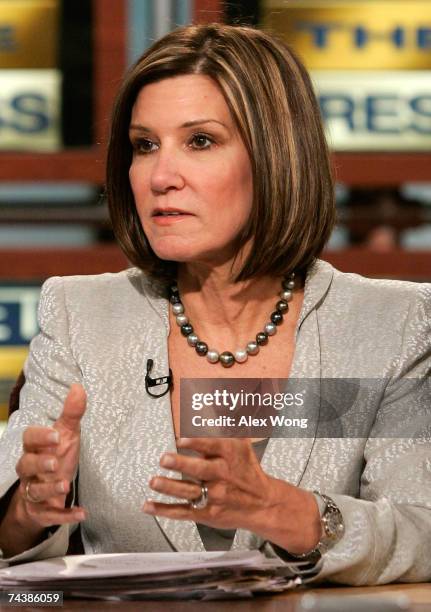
<point x="221" y="196"/>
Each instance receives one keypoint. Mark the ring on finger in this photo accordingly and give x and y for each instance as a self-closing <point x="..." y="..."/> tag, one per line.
<point x="202" y="501"/>
<point x="28" y="496"/>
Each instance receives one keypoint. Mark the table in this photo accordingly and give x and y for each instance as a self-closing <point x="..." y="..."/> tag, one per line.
<point x="419" y="595"/>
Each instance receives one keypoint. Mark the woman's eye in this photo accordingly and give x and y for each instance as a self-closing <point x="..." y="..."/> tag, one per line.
<point x="201" y="141"/>
<point x="144" y="146"/>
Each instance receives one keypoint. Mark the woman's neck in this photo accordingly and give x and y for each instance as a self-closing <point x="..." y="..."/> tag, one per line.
<point x="222" y="310"/>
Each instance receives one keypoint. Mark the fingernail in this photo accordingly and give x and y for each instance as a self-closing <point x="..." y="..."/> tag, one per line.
<point x="183" y="441"/>
<point x="167" y="461"/>
<point x="155" y="482"/>
<point x="149" y="507"/>
<point x="49" y="464"/>
<point x="59" y="487"/>
<point x="54" y="437"/>
<point x="80" y="516"/>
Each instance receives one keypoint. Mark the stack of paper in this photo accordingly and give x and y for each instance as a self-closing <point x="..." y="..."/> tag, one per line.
<point x="207" y="575"/>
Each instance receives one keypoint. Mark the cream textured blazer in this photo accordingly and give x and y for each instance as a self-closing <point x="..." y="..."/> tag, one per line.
<point x="100" y="331"/>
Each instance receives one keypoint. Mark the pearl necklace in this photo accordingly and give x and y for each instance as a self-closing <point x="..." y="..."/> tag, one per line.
<point x="226" y="358"/>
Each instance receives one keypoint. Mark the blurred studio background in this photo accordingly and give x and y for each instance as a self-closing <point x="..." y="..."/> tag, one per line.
<point x="61" y="62"/>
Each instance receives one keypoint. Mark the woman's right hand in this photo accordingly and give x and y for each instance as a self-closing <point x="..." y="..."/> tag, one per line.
<point x="49" y="464"/>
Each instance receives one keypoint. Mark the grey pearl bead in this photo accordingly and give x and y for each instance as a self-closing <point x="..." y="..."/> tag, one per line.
<point x="241" y="355"/>
<point x="270" y="329"/>
<point x="177" y="309"/>
<point x="290" y="284"/>
<point x="276" y="317"/>
<point x="262" y="338"/>
<point x="186" y="329"/>
<point x="282" y="306"/>
<point x="182" y="319"/>
<point x="252" y="348"/>
<point x="286" y="295"/>
<point x="192" y="339"/>
<point x="212" y="356"/>
<point x="227" y="359"/>
<point x="201" y="348"/>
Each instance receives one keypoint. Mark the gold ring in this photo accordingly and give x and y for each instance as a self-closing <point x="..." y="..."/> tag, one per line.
<point x="28" y="496"/>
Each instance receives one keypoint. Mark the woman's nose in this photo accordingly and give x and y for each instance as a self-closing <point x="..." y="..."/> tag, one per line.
<point x="166" y="173"/>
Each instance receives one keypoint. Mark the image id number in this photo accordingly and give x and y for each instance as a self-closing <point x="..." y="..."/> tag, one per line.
<point x="31" y="598"/>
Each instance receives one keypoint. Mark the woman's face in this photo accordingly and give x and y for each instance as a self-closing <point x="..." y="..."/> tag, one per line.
<point x="190" y="173"/>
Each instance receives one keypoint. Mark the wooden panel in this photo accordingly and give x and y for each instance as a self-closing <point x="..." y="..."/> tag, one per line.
<point x="381" y="169"/>
<point x="68" y="165"/>
<point x="35" y="264"/>
<point x="409" y="265"/>
<point x="39" y="264"/>
<point x="110" y="59"/>
<point x="207" y="11"/>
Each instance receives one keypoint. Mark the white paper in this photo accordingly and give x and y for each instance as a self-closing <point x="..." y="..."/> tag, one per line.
<point x="129" y="564"/>
<point x="136" y="576"/>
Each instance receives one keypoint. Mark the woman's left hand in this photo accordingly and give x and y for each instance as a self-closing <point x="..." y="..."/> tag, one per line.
<point x="240" y="494"/>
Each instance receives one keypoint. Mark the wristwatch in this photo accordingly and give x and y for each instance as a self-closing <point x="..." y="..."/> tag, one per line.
<point x="331" y="520"/>
<point x="332" y="524"/>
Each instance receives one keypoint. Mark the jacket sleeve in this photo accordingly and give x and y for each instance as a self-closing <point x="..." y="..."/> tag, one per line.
<point x="388" y="530"/>
<point x="50" y="370"/>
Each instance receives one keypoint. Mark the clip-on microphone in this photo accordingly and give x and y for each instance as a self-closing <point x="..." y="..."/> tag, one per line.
<point x="154" y="382"/>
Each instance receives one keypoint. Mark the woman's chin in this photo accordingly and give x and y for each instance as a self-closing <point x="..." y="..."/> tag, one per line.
<point x="171" y="248"/>
<point x="175" y="254"/>
<point x="187" y="252"/>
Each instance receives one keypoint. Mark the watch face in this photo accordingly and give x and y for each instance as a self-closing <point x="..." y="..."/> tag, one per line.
<point x="333" y="525"/>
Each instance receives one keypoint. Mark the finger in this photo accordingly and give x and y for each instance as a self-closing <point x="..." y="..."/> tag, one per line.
<point x="42" y="491"/>
<point x="46" y="516"/>
<point x="212" y="516"/>
<point x="177" y="488"/>
<point x="195" y="467"/>
<point x="74" y="409"/>
<point x="35" y="439"/>
<point x="31" y="464"/>
<point x="174" y="511"/>
<point x="216" y="447"/>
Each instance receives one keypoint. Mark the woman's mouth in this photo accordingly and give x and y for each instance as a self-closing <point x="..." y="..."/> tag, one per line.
<point x="166" y="217"/>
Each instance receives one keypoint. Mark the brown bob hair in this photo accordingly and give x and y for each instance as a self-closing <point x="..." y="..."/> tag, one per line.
<point x="271" y="99"/>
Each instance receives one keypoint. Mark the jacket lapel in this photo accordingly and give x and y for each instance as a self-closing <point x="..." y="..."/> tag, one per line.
<point x="287" y="458"/>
